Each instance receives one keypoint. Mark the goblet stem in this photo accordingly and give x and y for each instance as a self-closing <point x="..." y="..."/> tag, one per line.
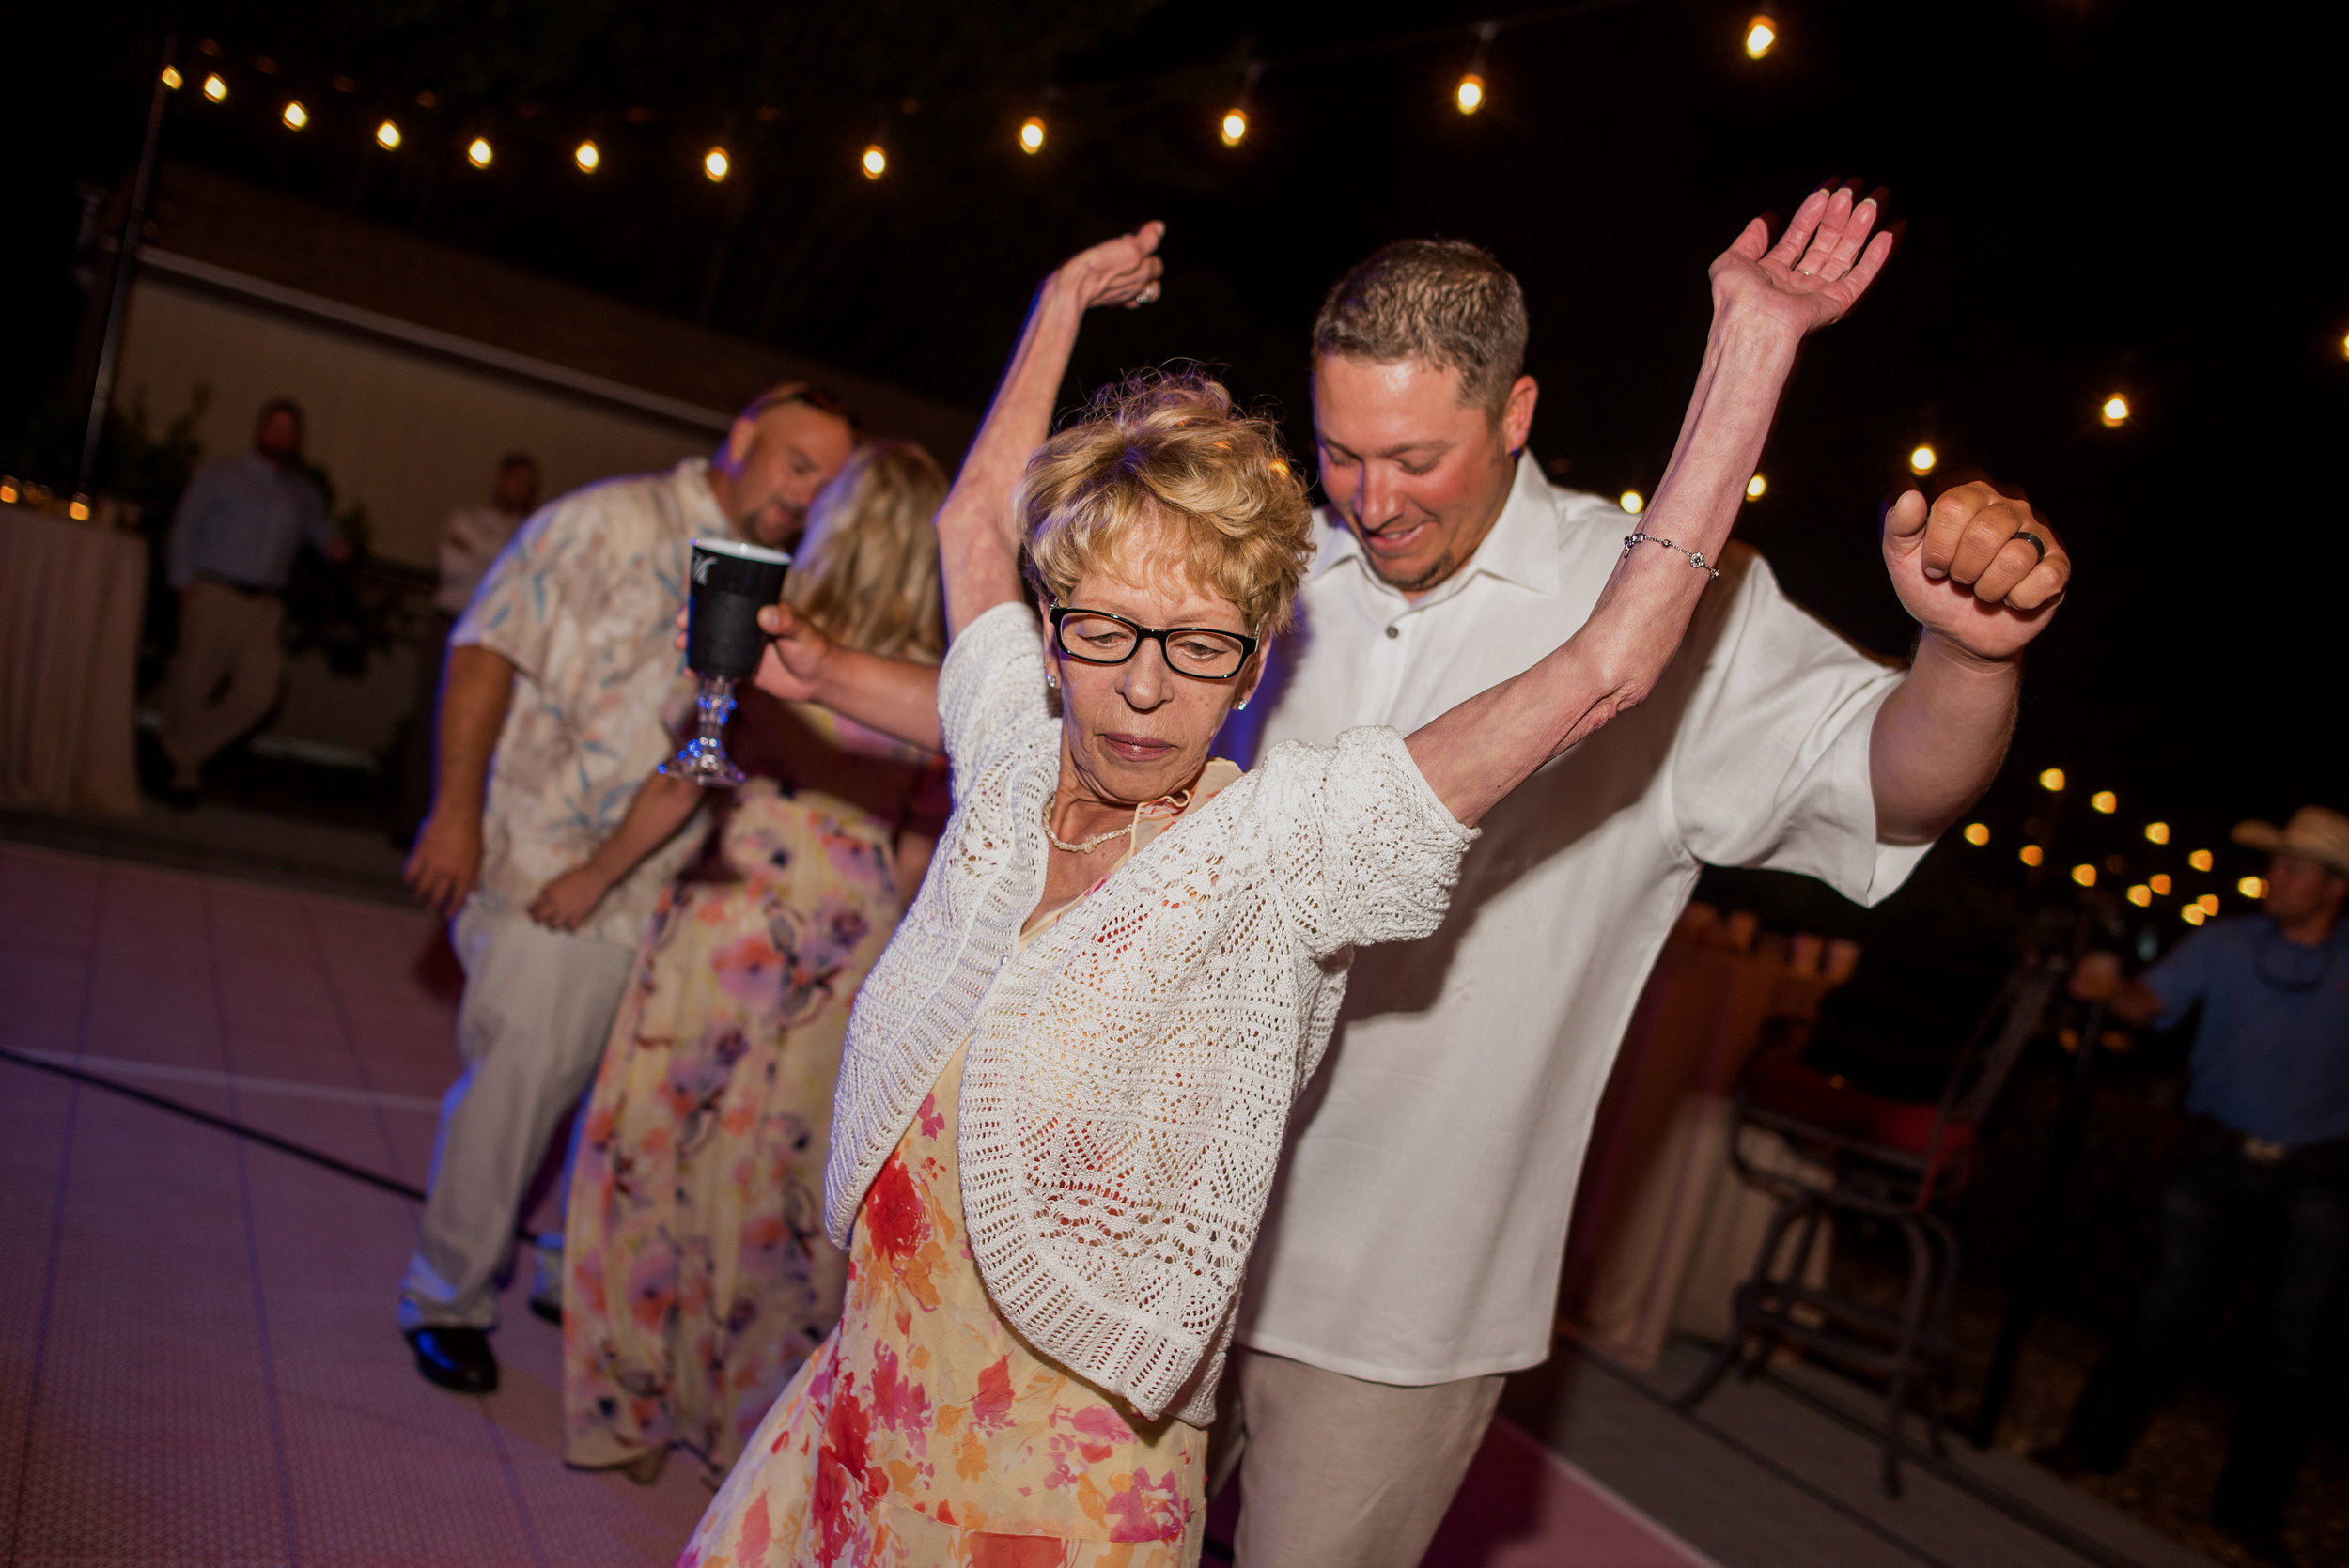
<point x="704" y="759"/>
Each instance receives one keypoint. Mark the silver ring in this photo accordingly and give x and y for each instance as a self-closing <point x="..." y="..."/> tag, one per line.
<point x="2033" y="540"/>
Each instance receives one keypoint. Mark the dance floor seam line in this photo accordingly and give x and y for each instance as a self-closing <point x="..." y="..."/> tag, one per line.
<point x="350" y="1044"/>
<point x="514" y="1489"/>
<point x="210" y="1078"/>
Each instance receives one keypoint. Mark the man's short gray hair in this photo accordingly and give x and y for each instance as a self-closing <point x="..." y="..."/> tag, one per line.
<point x="1443" y="303"/>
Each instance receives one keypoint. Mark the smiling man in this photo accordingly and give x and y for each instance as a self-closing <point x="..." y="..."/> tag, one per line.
<point x="1411" y="1254"/>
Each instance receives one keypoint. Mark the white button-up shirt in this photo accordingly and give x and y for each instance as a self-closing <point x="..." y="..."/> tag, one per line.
<point x="1420" y="1224"/>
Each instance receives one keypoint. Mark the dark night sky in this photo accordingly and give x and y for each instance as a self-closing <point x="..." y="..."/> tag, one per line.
<point x="2098" y="197"/>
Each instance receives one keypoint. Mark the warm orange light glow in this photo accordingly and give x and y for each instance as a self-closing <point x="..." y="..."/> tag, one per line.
<point x="1032" y="134"/>
<point x="172" y="78"/>
<point x="2159" y="882"/>
<point x="2209" y="903"/>
<point x="1235" y="127"/>
<point x="1761" y="32"/>
<point x="1469" y="94"/>
<point x="479" y="154"/>
<point x="78" y="509"/>
<point x="875" y="163"/>
<point x="387" y="136"/>
<point x="2140" y="895"/>
<point x="587" y="155"/>
<point x="2192" y="914"/>
<point x="1922" y="459"/>
<point x="716" y="165"/>
<point x="2199" y="860"/>
<point x="2051" y="779"/>
<point x="1755" y="487"/>
<point x="2116" y="409"/>
<point x="2106" y="801"/>
<point x="2252" y="887"/>
<point x="2084" y="875"/>
<point x="2156" y="833"/>
<point x="1633" y="502"/>
<point x="295" y="117"/>
<point x="2032" y="854"/>
<point x="215" y="89"/>
<point x="1977" y="834"/>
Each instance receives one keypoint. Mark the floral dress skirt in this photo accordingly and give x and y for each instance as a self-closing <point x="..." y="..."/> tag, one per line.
<point x="697" y="1276"/>
<point x="924" y="1431"/>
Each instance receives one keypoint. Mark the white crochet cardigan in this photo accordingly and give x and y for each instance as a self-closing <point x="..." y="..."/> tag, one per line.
<point x="1130" y="1072"/>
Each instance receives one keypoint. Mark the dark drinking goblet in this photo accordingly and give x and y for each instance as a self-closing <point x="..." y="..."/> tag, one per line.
<point x="731" y="584"/>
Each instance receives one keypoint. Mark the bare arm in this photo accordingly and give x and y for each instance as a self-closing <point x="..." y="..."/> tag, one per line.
<point x="2099" y="978"/>
<point x="1764" y="300"/>
<point x="662" y="806"/>
<point x="475" y="687"/>
<point x="978" y="538"/>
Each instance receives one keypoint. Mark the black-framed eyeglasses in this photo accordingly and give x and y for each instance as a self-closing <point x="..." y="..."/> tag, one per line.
<point x="1200" y="652"/>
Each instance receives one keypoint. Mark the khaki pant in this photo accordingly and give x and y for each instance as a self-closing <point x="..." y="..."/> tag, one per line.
<point x="1338" y="1472"/>
<point x="224" y="675"/>
<point x="531" y="1028"/>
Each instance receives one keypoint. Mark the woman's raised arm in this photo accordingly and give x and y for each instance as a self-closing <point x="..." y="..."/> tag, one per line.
<point x="978" y="538"/>
<point x="1765" y="298"/>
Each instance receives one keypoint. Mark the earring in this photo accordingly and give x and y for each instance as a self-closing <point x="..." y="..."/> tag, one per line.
<point x="1240" y="706"/>
<point x="1051" y="680"/>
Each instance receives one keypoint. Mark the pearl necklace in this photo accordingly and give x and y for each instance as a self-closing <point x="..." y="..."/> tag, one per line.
<point x="1178" y="800"/>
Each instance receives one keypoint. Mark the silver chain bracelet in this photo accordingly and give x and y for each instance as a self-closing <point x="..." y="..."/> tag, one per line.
<point x="1696" y="558"/>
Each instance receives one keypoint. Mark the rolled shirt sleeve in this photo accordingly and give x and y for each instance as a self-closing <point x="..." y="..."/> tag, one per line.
<point x="1770" y="767"/>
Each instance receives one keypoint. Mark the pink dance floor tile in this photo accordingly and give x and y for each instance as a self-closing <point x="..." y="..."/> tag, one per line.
<point x="1524" y="1507"/>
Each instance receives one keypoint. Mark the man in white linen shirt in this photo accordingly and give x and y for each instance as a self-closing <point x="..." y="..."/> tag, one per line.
<point x="1411" y="1254"/>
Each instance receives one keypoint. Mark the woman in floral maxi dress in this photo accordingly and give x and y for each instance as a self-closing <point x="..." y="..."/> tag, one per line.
<point x="697" y="1276"/>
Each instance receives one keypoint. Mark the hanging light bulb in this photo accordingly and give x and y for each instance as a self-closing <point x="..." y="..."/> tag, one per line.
<point x="588" y="156"/>
<point x="2084" y="875"/>
<point x="172" y="78"/>
<point x="2115" y="411"/>
<point x="1756" y="487"/>
<point x="1761" y="32"/>
<point x="1977" y="834"/>
<point x="2156" y="833"/>
<point x="295" y="117"/>
<point x="875" y="162"/>
<point x="1235" y="127"/>
<point x="480" y="154"/>
<point x="2159" y="882"/>
<point x="716" y="165"/>
<point x="1469" y="94"/>
<point x="2104" y="801"/>
<point x="2200" y="860"/>
<point x="2051" y="780"/>
<point x="1922" y="459"/>
<point x="215" y="89"/>
<point x="387" y="136"/>
<point x="2031" y="854"/>
<point x="1634" y="503"/>
<point x="1032" y="134"/>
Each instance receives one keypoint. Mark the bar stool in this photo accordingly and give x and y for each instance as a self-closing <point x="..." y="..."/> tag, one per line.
<point x="1898" y="1162"/>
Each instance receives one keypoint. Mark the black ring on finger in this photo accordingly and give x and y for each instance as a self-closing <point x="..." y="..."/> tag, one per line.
<point x="2033" y="540"/>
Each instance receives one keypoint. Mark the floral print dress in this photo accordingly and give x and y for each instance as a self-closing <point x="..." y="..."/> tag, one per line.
<point x="697" y="1274"/>
<point x="925" y="1433"/>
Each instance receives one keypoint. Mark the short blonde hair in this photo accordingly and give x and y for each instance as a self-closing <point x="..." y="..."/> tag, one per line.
<point x="866" y="569"/>
<point x="1170" y="446"/>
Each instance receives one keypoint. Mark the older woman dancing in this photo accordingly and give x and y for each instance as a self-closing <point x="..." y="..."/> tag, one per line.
<point x="1067" y="1078"/>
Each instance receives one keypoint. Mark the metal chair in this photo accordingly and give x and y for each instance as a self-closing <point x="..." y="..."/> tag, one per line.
<point x="1894" y="1162"/>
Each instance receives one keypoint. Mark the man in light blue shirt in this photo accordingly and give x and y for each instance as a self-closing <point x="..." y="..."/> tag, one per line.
<point x="2269" y="1167"/>
<point x="233" y="539"/>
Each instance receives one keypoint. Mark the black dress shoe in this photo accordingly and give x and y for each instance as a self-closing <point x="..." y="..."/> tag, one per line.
<point x="457" y="1359"/>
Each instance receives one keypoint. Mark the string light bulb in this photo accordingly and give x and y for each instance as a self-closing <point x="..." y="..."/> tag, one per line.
<point x="1760" y="34"/>
<point x="1922" y="459"/>
<point x="588" y="156"/>
<point x="2104" y="801"/>
<point x="2192" y="914"/>
<point x="2209" y="903"/>
<point x="387" y="136"/>
<point x="2252" y="887"/>
<point x="481" y="152"/>
<point x="2141" y="895"/>
<point x="2031" y="854"/>
<point x="215" y="89"/>
<point x="1235" y="127"/>
<point x="2159" y="882"/>
<point x="716" y="165"/>
<point x="1977" y="834"/>
<point x="1469" y="94"/>
<point x="2051" y="780"/>
<point x="172" y="78"/>
<point x="875" y="162"/>
<point x="2115" y="413"/>
<point x="2200" y="860"/>
<point x="1634" y="503"/>
<point x="1032" y="134"/>
<point x="1756" y="488"/>
<point x="2085" y="875"/>
<point x="295" y="117"/>
<point x="2156" y="833"/>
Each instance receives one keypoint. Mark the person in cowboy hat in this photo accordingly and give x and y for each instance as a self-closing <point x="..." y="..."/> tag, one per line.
<point x="2268" y="1165"/>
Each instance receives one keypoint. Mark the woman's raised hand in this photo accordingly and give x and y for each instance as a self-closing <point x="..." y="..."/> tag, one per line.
<point x="1120" y="272"/>
<point x="1818" y="269"/>
<point x="797" y="650"/>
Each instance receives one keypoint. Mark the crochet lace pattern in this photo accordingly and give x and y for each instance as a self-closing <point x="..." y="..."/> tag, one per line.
<point x="1129" y="1074"/>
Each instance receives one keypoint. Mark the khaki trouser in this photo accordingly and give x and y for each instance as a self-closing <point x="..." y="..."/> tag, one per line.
<point x="224" y="675"/>
<point x="1338" y="1472"/>
<point x="531" y="1028"/>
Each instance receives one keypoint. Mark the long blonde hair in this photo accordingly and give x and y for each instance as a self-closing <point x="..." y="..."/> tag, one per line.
<point x="866" y="569"/>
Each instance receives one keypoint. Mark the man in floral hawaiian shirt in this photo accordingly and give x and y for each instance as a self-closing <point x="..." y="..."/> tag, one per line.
<point x="551" y="716"/>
